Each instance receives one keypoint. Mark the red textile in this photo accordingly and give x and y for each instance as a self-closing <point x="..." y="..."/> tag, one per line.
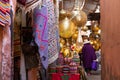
<point x="58" y="76"/>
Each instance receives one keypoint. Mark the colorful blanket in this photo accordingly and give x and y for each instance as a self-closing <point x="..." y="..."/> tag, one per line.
<point x="40" y="32"/>
<point x="46" y="32"/>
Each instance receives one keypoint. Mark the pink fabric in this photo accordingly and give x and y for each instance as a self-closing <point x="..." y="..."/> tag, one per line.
<point x="6" y="54"/>
<point x="1" y="37"/>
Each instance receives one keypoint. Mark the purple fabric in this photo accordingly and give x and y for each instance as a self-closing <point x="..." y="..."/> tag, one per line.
<point x="88" y="55"/>
<point x="40" y="32"/>
<point x="94" y="65"/>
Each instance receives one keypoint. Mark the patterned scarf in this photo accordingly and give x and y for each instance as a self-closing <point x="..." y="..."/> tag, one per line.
<point x="40" y="32"/>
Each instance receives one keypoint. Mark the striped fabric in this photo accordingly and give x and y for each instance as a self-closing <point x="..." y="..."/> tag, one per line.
<point x="5" y="12"/>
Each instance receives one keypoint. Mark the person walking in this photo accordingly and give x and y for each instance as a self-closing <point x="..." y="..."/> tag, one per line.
<point x="88" y="55"/>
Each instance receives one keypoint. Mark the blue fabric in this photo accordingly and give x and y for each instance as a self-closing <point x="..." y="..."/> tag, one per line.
<point x="40" y="32"/>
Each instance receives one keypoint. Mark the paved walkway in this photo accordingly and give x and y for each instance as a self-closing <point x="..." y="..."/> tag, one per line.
<point x="96" y="75"/>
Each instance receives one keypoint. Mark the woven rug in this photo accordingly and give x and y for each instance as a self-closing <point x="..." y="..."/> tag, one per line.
<point x="53" y="35"/>
<point x="40" y="32"/>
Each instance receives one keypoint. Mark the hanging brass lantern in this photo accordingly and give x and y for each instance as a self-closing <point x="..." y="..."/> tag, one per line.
<point x="62" y="49"/>
<point x="96" y="44"/>
<point x="66" y="28"/>
<point x="94" y="36"/>
<point x="75" y="35"/>
<point x="79" y="49"/>
<point x="62" y="14"/>
<point x="98" y="32"/>
<point x="95" y="26"/>
<point x="80" y="18"/>
<point x="92" y="41"/>
<point x="62" y="41"/>
<point x="61" y="45"/>
<point x="79" y="41"/>
<point x="66" y="52"/>
<point x="84" y="28"/>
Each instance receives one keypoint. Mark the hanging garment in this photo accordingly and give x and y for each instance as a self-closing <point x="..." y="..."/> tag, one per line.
<point x="29" y="52"/>
<point x="2" y="13"/>
<point x="5" y="20"/>
<point x="1" y="37"/>
<point x="12" y="45"/>
<point x="40" y="32"/>
<point x="24" y="2"/>
<point x="6" y="54"/>
<point x="53" y="35"/>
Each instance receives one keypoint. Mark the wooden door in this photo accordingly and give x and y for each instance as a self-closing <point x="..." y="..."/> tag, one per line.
<point x="110" y="24"/>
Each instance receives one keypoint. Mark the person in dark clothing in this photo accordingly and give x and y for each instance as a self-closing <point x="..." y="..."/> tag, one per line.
<point x="88" y="54"/>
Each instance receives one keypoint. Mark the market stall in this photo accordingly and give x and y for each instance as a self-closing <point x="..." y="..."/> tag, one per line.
<point x="47" y="40"/>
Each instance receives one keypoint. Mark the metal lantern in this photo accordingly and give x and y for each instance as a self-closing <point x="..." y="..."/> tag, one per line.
<point x="66" y="28"/>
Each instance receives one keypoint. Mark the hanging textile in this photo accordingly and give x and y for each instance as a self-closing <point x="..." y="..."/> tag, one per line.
<point x="19" y="70"/>
<point x="12" y="54"/>
<point x="13" y="4"/>
<point x="40" y="32"/>
<point x="6" y="54"/>
<point x="5" y="22"/>
<point x="1" y="37"/>
<point x="25" y="2"/>
<point x="57" y="10"/>
<point x="56" y="6"/>
<point x="52" y="32"/>
<point x="5" y="12"/>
